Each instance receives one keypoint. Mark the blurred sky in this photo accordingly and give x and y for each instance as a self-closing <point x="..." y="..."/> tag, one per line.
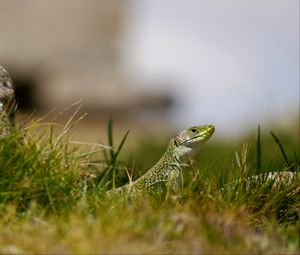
<point x="232" y="63"/>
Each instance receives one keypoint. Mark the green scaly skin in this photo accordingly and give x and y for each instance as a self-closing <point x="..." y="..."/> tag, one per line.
<point x="166" y="171"/>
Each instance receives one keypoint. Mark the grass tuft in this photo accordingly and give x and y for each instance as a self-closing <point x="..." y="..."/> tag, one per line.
<point x="51" y="198"/>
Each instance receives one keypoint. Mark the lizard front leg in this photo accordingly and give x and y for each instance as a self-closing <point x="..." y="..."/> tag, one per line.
<point x="172" y="183"/>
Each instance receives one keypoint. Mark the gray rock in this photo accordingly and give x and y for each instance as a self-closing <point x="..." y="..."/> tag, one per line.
<point x="7" y="102"/>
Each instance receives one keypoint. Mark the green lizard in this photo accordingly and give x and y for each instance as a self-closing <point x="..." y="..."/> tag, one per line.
<point x="166" y="171"/>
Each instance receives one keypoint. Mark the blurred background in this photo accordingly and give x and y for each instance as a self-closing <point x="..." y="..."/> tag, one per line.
<point x="156" y="66"/>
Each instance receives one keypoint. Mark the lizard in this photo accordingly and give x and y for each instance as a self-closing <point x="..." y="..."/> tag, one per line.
<point x="7" y="102"/>
<point x="184" y="145"/>
<point x="166" y="171"/>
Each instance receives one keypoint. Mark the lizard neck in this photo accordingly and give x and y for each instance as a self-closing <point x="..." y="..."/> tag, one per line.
<point x="168" y="160"/>
<point x="170" y="156"/>
<point x="168" y="164"/>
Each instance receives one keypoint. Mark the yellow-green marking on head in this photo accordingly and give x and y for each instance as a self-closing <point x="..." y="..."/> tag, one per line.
<point x="189" y="140"/>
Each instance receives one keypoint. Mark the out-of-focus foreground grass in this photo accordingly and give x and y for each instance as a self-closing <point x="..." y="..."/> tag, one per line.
<point x="52" y="197"/>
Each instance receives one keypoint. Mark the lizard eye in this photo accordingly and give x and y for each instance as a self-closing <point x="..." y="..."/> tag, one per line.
<point x="194" y="130"/>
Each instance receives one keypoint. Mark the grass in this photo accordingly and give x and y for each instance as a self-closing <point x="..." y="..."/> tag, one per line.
<point x="52" y="198"/>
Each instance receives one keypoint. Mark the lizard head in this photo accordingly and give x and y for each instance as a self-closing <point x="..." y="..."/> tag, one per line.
<point x="188" y="141"/>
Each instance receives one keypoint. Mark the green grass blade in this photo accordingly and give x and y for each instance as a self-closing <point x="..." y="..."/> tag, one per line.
<point x="297" y="160"/>
<point x="121" y="144"/>
<point x="258" y="150"/>
<point x="280" y="147"/>
<point x="112" y="162"/>
<point x="115" y="157"/>
<point x="110" y="136"/>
